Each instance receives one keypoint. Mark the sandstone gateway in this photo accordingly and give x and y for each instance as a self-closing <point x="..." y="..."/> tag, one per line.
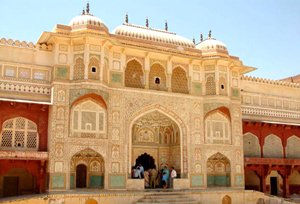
<point x="84" y="104"/>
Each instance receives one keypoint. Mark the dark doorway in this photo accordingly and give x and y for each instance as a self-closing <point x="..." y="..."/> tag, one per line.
<point x="146" y="160"/>
<point x="11" y="186"/>
<point x="273" y="185"/>
<point x="81" y="176"/>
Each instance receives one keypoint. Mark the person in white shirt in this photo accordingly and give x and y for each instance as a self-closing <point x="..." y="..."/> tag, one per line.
<point x="173" y="175"/>
<point x="137" y="173"/>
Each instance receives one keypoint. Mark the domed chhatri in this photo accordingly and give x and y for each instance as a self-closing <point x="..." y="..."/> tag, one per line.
<point x="156" y="35"/>
<point x="87" y="19"/>
<point x="211" y="45"/>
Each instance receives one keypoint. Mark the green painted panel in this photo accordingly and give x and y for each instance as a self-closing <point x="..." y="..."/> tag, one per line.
<point x="62" y="72"/>
<point x="93" y="55"/>
<point x="96" y="181"/>
<point x="217" y="180"/>
<point x="58" y="181"/>
<point x="72" y="185"/>
<point x="78" y="55"/>
<point x="235" y="93"/>
<point x="184" y="176"/>
<point x="197" y="88"/>
<point x="117" y="181"/>
<point x="196" y="180"/>
<point x="116" y="78"/>
<point x="239" y="180"/>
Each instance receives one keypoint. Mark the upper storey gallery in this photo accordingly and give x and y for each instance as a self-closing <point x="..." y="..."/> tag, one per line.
<point x="140" y="57"/>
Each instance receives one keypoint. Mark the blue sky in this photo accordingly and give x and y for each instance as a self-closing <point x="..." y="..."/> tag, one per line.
<point x="264" y="33"/>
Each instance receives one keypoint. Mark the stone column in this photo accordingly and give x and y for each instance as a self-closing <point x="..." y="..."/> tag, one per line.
<point x="146" y="79"/>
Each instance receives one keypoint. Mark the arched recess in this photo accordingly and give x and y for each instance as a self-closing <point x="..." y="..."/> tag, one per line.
<point x="292" y="147"/>
<point x="180" y="137"/>
<point x="88" y="119"/>
<point x="222" y="86"/>
<point x="91" y="163"/>
<point x="251" y="145"/>
<point x="273" y="147"/>
<point x="157" y="77"/>
<point x="179" y="80"/>
<point x="134" y="74"/>
<point x="146" y="160"/>
<point x="210" y="85"/>
<point x="94" y="68"/>
<point x="252" y="181"/>
<point x="226" y="200"/>
<point x="217" y="173"/>
<point x="78" y="68"/>
<point x="19" y="134"/>
<point x="217" y="128"/>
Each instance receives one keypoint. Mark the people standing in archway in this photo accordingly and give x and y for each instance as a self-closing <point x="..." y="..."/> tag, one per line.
<point x="167" y="174"/>
<point x="173" y="175"/>
<point x="146" y="176"/>
<point x="153" y="176"/>
<point x="137" y="173"/>
<point x="164" y="180"/>
<point x="141" y="170"/>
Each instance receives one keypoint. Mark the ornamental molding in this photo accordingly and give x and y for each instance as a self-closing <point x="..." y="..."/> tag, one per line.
<point x="24" y="155"/>
<point x="247" y="110"/>
<point x="27" y="88"/>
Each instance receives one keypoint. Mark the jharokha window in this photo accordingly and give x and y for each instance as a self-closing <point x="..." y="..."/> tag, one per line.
<point x="217" y="129"/>
<point x="88" y="120"/>
<point x="19" y="134"/>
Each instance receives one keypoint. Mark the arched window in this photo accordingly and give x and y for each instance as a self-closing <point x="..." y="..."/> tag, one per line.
<point x="210" y="86"/>
<point x="78" y="69"/>
<point x="134" y="75"/>
<point x="19" y="134"/>
<point x="217" y="129"/>
<point x="88" y="119"/>
<point x="179" y="81"/>
<point x="157" y="77"/>
<point x="222" y="86"/>
<point x="94" y="69"/>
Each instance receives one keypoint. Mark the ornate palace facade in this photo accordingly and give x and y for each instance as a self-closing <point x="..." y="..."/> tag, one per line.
<point x="83" y="105"/>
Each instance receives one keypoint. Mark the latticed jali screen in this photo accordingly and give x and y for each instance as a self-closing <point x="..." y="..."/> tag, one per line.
<point x="19" y="134"/>
<point x="179" y="82"/>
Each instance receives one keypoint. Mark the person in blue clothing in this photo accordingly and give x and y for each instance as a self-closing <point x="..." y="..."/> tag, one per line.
<point x="167" y="173"/>
<point x="164" y="180"/>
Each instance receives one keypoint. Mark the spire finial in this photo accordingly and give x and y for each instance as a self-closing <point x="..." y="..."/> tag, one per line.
<point x="147" y="22"/>
<point x="88" y="8"/>
<point x="194" y="40"/>
<point x="83" y="11"/>
<point x="209" y="34"/>
<point x="126" y="19"/>
<point x="166" y="25"/>
<point x="201" y="37"/>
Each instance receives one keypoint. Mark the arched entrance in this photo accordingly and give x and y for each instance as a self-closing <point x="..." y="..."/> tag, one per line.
<point x="87" y="170"/>
<point x="218" y="171"/>
<point x="226" y="200"/>
<point x="158" y="135"/>
<point x="146" y="161"/>
<point x="81" y="176"/>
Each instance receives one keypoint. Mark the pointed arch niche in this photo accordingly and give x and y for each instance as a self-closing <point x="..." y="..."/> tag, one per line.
<point x="218" y="171"/>
<point x="157" y="135"/>
<point x="88" y="118"/>
<point x="217" y="128"/>
<point x="87" y="169"/>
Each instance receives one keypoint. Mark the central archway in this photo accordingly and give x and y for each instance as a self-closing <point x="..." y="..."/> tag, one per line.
<point x="81" y="171"/>
<point x="156" y="134"/>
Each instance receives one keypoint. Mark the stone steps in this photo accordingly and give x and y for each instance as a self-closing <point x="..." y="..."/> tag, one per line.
<point x="164" y="198"/>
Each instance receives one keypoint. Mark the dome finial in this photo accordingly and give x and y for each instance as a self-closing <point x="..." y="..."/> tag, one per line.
<point x="201" y="37"/>
<point x="147" y="22"/>
<point x="194" y="40"/>
<point x="166" y="25"/>
<point x="83" y="11"/>
<point x="88" y="8"/>
<point x="209" y="34"/>
<point x="126" y="19"/>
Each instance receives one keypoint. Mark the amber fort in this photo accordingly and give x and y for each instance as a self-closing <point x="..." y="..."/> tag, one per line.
<point x="84" y="104"/>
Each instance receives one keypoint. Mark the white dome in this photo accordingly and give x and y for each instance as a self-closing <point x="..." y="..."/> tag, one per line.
<point x="211" y="45"/>
<point x="87" y="19"/>
<point x="146" y="33"/>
